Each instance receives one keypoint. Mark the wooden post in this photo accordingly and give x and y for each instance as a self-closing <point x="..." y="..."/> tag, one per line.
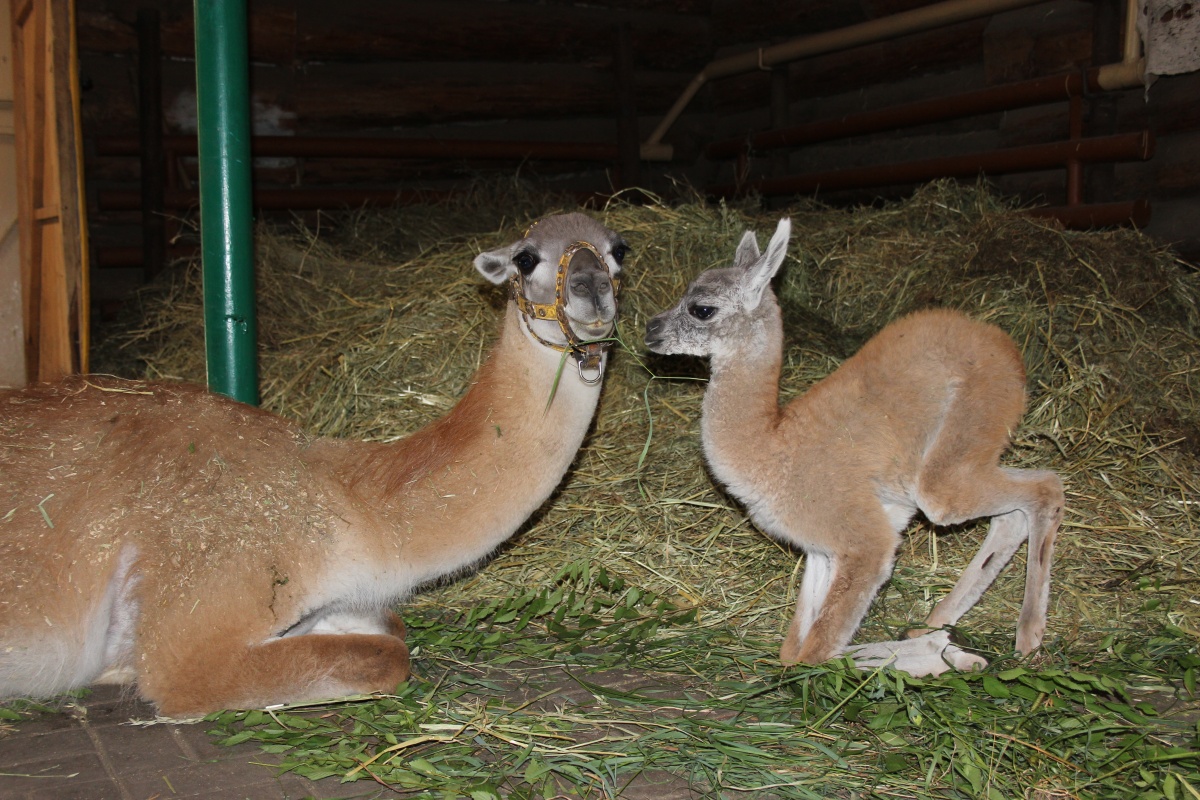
<point x="50" y="193"/>
<point x="12" y="322"/>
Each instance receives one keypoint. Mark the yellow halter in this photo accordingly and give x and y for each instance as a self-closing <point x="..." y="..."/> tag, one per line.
<point x="587" y="354"/>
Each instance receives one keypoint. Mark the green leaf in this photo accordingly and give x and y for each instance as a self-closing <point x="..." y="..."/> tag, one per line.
<point x="237" y="738"/>
<point x="1025" y="692"/>
<point x="535" y="770"/>
<point x="958" y="685"/>
<point x="972" y="774"/>
<point x="423" y="766"/>
<point x="993" y="686"/>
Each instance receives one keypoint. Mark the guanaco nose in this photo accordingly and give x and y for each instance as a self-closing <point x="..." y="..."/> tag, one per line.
<point x="588" y="279"/>
<point x="654" y="329"/>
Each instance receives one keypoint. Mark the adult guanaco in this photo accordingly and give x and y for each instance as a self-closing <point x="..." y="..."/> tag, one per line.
<point x="219" y="556"/>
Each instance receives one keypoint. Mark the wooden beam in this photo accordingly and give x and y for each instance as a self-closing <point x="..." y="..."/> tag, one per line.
<point x="50" y="189"/>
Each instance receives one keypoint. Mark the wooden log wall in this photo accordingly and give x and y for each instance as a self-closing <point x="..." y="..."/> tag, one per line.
<point x="547" y="70"/>
<point x="455" y="69"/>
<point x="1047" y="39"/>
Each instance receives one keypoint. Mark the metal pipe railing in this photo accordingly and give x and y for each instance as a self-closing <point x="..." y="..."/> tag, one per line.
<point x="226" y="222"/>
<point x="1122" y="147"/>
<point x="877" y="30"/>
<point x="1097" y="215"/>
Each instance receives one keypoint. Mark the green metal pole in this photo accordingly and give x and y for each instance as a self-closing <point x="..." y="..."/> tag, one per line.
<point x="226" y="221"/>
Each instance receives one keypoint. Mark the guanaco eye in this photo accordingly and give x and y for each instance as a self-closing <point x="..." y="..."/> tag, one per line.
<point x="701" y="312"/>
<point x="525" y="261"/>
<point x="619" y="252"/>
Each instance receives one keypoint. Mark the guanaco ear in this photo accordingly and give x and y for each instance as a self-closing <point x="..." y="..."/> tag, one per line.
<point x="747" y="250"/>
<point x="494" y="264"/>
<point x="759" y="273"/>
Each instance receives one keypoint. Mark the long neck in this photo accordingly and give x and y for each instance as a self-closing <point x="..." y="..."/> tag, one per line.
<point x="741" y="412"/>
<point x="454" y="490"/>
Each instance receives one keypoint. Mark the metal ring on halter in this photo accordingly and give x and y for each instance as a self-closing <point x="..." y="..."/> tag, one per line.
<point x="590" y="381"/>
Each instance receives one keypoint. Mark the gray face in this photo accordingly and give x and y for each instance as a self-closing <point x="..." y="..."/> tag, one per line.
<point x="721" y="307"/>
<point x="590" y="299"/>
<point x="710" y="305"/>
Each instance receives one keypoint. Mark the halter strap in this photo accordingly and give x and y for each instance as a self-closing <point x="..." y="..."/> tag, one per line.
<point x="587" y="354"/>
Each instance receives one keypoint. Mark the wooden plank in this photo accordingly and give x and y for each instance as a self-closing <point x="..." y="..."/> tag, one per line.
<point x="29" y="67"/>
<point x="744" y="21"/>
<point x="390" y="93"/>
<point x="1172" y="107"/>
<point x="628" y="137"/>
<point x="53" y="345"/>
<point x="109" y="102"/>
<point x="458" y="30"/>
<point x="885" y="8"/>
<point x="693" y="7"/>
<point x="53" y="237"/>
<point x="1040" y="40"/>
<point x="72" y="233"/>
<point x="12" y="324"/>
<point x="1175" y="170"/>
<point x="54" y="348"/>
<point x="885" y="62"/>
<point x="112" y="29"/>
<point x="409" y="30"/>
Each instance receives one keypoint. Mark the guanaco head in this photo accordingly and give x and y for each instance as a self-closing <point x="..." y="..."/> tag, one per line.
<point x="721" y="307"/>
<point x="587" y="295"/>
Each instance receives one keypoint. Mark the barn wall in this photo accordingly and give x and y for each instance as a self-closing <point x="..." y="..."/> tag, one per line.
<point x="526" y="70"/>
<point x="455" y="69"/>
<point x="1046" y="39"/>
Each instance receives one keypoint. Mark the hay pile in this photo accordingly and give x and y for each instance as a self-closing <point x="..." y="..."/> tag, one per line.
<point x="373" y="326"/>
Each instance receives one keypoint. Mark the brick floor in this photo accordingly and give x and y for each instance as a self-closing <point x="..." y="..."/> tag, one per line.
<point x="92" y="751"/>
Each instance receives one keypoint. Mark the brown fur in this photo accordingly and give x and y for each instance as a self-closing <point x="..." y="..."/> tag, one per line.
<point x="916" y="420"/>
<point x="220" y="557"/>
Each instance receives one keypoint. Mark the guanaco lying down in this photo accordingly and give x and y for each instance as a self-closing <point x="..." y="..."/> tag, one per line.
<point x="219" y="557"/>
<point x="915" y="421"/>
